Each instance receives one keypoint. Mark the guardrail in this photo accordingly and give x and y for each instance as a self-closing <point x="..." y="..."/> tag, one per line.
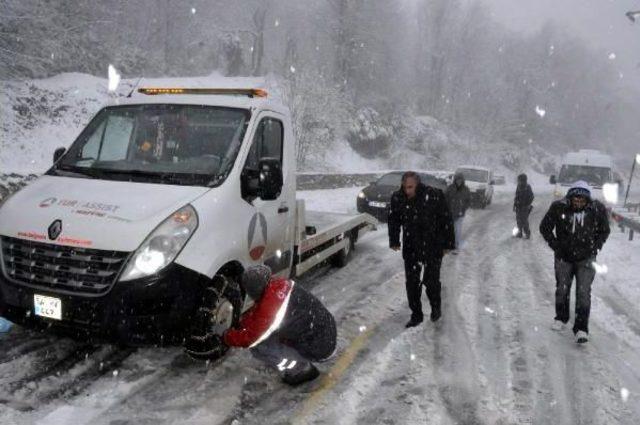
<point x="627" y="218"/>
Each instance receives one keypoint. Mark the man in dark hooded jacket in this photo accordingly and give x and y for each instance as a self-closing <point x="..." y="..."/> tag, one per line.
<point x="522" y="206"/>
<point x="458" y="199"/>
<point x="421" y="212"/>
<point x="575" y="228"/>
<point x="287" y="328"/>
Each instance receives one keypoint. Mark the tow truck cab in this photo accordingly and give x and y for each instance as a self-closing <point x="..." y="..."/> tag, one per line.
<point x="139" y="231"/>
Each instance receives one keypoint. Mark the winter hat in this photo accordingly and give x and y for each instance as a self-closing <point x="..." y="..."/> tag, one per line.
<point x="579" y="188"/>
<point x="522" y="178"/>
<point x="254" y="280"/>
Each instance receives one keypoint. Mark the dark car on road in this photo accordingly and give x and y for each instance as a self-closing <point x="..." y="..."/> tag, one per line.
<point x="375" y="198"/>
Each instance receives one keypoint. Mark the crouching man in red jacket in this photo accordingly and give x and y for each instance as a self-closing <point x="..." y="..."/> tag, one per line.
<point x="287" y="328"/>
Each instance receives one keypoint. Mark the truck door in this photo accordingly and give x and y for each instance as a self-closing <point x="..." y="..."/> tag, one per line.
<point x="267" y="233"/>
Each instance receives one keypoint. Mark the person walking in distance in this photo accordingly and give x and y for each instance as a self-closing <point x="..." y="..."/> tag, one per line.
<point x="522" y="206"/>
<point x="421" y="213"/>
<point x="576" y="229"/>
<point x="458" y="199"/>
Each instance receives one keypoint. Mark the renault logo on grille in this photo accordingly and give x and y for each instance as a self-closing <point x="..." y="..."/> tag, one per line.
<point x="55" y="229"/>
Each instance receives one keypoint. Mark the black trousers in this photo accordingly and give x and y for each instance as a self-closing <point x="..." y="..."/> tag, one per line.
<point x="584" y="274"/>
<point x="430" y="279"/>
<point x="522" y="221"/>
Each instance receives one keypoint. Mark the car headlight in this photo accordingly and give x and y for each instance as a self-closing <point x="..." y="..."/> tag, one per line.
<point x="557" y="193"/>
<point x="163" y="245"/>
<point x="361" y="195"/>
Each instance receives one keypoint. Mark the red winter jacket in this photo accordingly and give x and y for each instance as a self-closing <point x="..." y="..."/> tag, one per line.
<point x="261" y="320"/>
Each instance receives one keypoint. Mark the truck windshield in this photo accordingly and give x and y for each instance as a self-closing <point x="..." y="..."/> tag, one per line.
<point x="595" y="176"/>
<point x="474" y="175"/>
<point x="172" y="144"/>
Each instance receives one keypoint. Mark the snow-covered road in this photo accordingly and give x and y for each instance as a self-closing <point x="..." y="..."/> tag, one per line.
<point x="491" y="360"/>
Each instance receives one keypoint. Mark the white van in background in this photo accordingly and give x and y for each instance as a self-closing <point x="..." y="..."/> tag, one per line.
<point x="592" y="166"/>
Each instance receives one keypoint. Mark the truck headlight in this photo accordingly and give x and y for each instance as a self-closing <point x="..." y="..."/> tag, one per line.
<point x="610" y="192"/>
<point x="163" y="245"/>
<point x="361" y="195"/>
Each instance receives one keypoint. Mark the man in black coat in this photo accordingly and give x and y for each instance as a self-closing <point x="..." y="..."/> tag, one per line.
<point x="522" y="205"/>
<point x="421" y="212"/>
<point x="581" y="227"/>
<point x="458" y="199"/>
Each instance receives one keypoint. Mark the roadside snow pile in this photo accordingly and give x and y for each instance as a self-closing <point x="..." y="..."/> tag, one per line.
<point x="10" y="183"/>
<point x="38" y="116"/>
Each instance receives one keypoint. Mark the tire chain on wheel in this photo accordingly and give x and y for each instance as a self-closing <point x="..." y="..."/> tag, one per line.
<point x="199" y="343"/>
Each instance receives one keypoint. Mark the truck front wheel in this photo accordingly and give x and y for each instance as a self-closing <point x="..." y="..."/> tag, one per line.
<point x="220" y="309"/>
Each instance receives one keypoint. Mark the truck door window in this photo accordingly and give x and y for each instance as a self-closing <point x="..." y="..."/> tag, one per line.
<point x="267" y="143"/>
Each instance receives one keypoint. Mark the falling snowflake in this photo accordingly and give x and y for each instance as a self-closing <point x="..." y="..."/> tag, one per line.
<point x="489" y="310"/>
<point x="115" y="373"/>
<point x="362" y="329"/>
<point x="277" y="23"/>
<point x="413" y="357"/>
<point x="624" y="394"/>
<point x="193" y="10"/>
<point x="612" y="56"/>
<point x="292" y="69"/>
<point x="541" y="112"/>
<point x="114" y="78"/>
<point x="515" y="231"/>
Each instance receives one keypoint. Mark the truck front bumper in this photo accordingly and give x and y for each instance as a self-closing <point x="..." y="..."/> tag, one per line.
<point x="153" y="310"/>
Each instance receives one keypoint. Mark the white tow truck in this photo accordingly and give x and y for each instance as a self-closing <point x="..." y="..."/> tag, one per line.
<point x="140" y="230"/>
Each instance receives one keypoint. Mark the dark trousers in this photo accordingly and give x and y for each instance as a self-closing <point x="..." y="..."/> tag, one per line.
<point x="431" y="280"/>
<point x="280" y="356"/>
<point x="522" y="221"/>
<point x="584" y="274"/>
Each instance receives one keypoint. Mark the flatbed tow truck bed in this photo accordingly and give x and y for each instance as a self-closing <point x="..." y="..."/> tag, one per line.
<point x="320" y="235"/>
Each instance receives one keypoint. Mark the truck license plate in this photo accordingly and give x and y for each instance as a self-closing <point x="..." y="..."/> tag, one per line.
<point x="378" y="204"/>
<point x="47" y="306"/>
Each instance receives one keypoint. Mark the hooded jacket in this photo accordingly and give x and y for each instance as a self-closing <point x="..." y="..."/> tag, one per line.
<point x="458" y="197"/>
<point x="576" y="235"/>
<point x="524" y="195"/>
<point x="425" y="221"/>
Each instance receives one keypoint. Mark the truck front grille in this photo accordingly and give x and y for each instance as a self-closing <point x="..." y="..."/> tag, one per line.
<point x="61" y="268"/>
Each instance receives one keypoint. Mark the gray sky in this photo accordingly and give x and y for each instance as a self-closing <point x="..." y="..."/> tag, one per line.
<point x="601" y="22"/>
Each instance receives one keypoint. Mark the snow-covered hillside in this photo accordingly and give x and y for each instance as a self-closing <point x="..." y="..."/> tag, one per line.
<point x="39" y="116"/>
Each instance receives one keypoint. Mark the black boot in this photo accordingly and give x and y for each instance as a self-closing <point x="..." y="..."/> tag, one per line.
<point x="296" y="378"/>
<point x="413" y="322"/>
<point x="435" y="315"/>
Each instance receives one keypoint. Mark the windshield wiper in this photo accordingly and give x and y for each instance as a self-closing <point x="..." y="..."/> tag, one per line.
<point x="73" y="171"/>
<point x="168" y="178"/>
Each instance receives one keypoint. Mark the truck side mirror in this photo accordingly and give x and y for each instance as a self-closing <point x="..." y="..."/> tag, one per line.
<point x="552" y="179"/>
<point x="57" y="154"/>
<point x="270" y="178"/>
